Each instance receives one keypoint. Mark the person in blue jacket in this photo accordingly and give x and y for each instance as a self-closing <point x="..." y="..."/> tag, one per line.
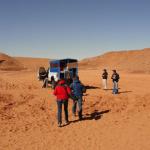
<point x="77" y="89"/>
<point x="115" y="78"/>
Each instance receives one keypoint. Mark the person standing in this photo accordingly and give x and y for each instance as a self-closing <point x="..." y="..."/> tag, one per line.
<point x="77" y="89"/>
<point x="68" y="79"/>
<point x="115" y="78"/>
<point x="104" y="79"/>
<point x="62" y="91"/>
<point x="53" y="82"/>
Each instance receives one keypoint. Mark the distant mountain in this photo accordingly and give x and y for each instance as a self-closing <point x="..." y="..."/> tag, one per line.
<point x="129" y="60"/>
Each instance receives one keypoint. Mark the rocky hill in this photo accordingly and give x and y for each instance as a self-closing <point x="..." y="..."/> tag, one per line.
<point x="131" y="61"/>
<point x="9" y="63"/>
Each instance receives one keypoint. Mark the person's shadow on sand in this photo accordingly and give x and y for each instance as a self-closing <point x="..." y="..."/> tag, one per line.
<point x="96" y="115"/>
<point x="120" y="92"/>
<point x="91" y="87"/>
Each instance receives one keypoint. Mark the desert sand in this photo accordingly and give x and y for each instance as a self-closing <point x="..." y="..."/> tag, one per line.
<point x="111" y="122"/>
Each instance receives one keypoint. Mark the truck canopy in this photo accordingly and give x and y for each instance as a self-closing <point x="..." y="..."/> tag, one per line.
<point x="63" y="67"/>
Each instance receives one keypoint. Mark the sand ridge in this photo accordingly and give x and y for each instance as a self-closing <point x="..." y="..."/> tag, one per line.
<point x="9" y="63"/>
<point x="136" y="61"/>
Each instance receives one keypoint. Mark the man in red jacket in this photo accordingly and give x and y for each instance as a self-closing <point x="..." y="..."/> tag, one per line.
<point x="62" y="92"/>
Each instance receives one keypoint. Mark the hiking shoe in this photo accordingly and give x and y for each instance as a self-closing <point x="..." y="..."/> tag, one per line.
<point x="80" y="118"/>
<point x="59" y="124"/>
<point x="66" y="122"/>
<point x="74" y="116"/>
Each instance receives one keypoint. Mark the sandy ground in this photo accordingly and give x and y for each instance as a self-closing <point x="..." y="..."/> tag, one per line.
<point x="111" y="122"/>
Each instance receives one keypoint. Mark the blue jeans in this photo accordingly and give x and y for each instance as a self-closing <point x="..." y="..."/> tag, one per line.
<point x="74" y="107"/>
<point x="59" y="106"/>
<point x="115" y="87"/>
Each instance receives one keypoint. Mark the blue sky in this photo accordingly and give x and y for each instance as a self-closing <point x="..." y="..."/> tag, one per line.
<point x="73" y="28"/>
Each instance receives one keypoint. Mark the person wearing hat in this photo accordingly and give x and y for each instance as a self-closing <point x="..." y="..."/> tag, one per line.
<point x="104" y="79"/>
<point x="115" y="78"/>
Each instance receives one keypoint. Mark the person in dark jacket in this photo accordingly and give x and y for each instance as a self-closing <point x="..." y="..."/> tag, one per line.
<point x="68" y="79"/>
<point x="42" y="73"/>
<point x="115" y="78"/>
<point x="53" y="82"/>
<point x="45" y="79"/>
<point x="104" y="79"/>
<point x="62" y="91"/>
<point x="77" y="87"/>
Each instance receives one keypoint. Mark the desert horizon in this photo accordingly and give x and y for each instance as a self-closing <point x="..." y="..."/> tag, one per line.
<point x="122" y="60"/>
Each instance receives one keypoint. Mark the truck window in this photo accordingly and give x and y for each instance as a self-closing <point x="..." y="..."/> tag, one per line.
<point x="54" y="65"/>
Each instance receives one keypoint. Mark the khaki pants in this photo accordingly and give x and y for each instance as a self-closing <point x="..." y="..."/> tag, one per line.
<point x="104" y="81"/>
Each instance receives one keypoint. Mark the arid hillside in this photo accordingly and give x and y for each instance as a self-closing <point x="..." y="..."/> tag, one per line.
<point x="33" y="63"/>
<point x="9" y="63"/>
<point x="135" y="61"/>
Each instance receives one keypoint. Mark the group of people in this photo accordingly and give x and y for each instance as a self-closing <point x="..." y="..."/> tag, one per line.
<point x="63" y="92"/>
<point x="115" y="79"/>
<point x="74" y="90"/>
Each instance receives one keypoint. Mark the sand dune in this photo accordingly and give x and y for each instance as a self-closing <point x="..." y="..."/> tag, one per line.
<point x="9" y="63"/>
<point x="33" y="63"/>
<point x="129" y="61"/>
<point x="20" y="63"/>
